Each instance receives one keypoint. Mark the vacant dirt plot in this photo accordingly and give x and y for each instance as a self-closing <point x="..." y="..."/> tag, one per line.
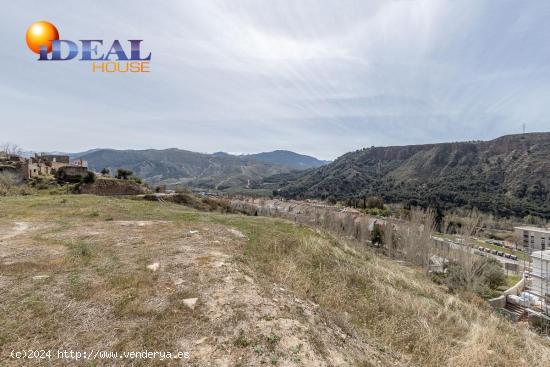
<point x="91" y="281"/>
<point x="85" y="273"/>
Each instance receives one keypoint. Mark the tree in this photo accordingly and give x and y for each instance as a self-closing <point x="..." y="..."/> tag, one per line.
<point x="493" y="274"/>
<point x="10" y="149"/>
<point x="123" y="174"/>
<point x="377" y="235"/>
<point x="415" y="242"/>
<point x="105" y="171"/>
<point x="374" y="202"/>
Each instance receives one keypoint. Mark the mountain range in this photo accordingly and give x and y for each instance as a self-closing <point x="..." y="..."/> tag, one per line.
<point x="212" y="171"/>
<point x="507" y="176"/>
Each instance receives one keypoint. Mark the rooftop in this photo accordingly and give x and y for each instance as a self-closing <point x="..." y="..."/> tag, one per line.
<point x="533" y="228"/>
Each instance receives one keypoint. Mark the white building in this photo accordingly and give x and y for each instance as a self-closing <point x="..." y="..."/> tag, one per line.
<point x="531" y="238"/>
<point x="540" y="273"/>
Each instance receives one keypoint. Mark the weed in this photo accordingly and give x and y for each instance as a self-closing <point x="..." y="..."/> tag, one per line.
<point x="259" y="349"/>
<point x="81" y="250"/>
<point x="273" y="338"/>
<point x="295" y="348"/>
<point x="242" y="341"/>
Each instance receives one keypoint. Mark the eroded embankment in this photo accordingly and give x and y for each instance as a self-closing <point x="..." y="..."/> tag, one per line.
<point x="348" y="223"/>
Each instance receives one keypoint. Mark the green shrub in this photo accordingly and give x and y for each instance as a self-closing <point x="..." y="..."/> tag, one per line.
<point x="89" y="178"/>
<point x="123" y="174"/>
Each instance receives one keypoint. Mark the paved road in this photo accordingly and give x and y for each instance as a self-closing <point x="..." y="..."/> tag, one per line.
<point x="474" y="250"/>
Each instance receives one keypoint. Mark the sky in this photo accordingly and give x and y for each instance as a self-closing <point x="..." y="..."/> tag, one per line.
<point x="316" y="77"/>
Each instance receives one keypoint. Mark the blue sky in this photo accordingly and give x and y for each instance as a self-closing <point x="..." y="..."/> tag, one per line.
<point x="317" y="77"/>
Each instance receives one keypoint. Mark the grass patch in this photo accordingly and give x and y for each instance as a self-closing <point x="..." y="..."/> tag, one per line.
<point x="80" y="251"/>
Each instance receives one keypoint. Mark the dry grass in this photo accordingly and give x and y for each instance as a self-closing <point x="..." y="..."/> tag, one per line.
<point x="396" y="306"/>
<point x="99" y="293"/>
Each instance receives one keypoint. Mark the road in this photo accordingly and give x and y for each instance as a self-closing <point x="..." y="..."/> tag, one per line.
<point x="474" y="250"/>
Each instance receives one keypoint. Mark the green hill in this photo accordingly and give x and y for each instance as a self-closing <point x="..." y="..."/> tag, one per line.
<point x="508" y="176"/>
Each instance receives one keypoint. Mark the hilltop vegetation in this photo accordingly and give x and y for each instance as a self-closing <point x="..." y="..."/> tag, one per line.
<point x="508" y="176"/>
<point x="119" y="274"/>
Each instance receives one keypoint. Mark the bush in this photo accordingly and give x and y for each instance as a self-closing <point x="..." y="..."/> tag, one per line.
<point x="493" y="275"/>
<point x="7" y="182"/>
<point x="136" y="179"/>
<point x="489" y="276"/>
<point x="374" y="203"/>
<point x="89" y="178"/>
<point x="123" y="174"/>
<point x="377" y="235"/>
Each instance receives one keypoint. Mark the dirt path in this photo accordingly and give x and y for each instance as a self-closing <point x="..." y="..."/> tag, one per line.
<point x="18" y="228"/>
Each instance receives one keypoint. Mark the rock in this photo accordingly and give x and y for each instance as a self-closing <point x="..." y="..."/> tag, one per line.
<point x="218" y="264"/>
<point x="236" y="233"/>
<point x="40" y="277"/>
<point x="153" y="267"/>
<point x="193" y="232"/>
<point x="178" y="281"/>
<point x="201" y="340"/>
<point x="190" y="302"/>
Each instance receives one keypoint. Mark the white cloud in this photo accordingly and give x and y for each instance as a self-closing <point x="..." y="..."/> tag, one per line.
<point x="319" y="77"/>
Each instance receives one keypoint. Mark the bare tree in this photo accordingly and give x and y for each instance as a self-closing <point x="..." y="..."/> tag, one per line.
<point x="415" y="237"/>
<point x="10" y="149"/>
<point x="472" y="266"/>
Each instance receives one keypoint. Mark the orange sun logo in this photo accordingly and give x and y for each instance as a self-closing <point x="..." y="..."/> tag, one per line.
<point x="41" y="34"/>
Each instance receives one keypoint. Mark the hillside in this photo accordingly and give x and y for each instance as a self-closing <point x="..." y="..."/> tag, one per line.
<point x="173" y="166"/>
<point x="506" y="176"/>
<point x="88" y="273"/>
<point x="213" y="171"/>
<point x="289" y="159"/>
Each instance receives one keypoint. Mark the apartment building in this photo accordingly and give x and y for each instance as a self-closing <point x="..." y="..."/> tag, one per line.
<point x="531" y="238"/>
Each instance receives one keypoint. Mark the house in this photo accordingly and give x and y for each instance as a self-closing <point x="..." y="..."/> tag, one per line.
<point x="530" y="238"/>
<point x="79" y="162"/>
<point x="540" y="273"/>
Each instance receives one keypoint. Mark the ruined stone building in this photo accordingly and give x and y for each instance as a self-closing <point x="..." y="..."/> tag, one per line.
<point x="59" y="166"/>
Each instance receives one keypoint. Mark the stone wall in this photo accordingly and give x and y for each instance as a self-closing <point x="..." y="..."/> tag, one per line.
<point x="500" y="302"/>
